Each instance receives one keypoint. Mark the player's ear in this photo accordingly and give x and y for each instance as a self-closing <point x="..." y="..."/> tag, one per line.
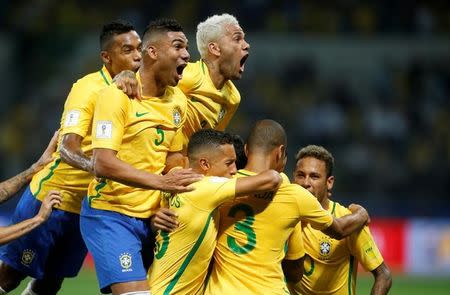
<point x="246" y="150"/>
<point x="204" y="164"/>
<point x="330" y="183"/>
<point x="105" y="57"/>
<point x="150" y="51"/>
<point x="214" y="48"/>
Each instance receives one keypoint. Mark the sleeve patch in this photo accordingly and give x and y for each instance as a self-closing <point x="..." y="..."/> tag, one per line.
<point x="72" y="118"/>
<point x="103" y="130"/>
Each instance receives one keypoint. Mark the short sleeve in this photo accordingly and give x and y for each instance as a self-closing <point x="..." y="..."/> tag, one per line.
<point x="109" y="118"/>
<point x="364" y="248"/>
<point x="311" y="211"/>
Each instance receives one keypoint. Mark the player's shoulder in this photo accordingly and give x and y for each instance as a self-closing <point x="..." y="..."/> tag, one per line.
<point x="193" y="75"/>
<point x="95" y="79"/>
<point x="234" y="96"/>
<point x="338" y="209"/>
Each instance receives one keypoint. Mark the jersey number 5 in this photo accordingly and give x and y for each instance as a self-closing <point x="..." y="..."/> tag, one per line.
<point x="244" y="226"/>
<point x="160" y="132"/>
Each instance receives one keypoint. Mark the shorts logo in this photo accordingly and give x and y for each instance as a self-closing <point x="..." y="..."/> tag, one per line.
<point x="27" y="257"/>
<point x="125" y="262"/>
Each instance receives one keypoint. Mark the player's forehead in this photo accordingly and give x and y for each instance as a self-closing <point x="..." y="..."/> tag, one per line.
<point x="173" y="37"/>
<point x="227" y="151"/>
<point x="233" y="29"/>
<point x="128" y="38"/>
<point x="310" y="165"/>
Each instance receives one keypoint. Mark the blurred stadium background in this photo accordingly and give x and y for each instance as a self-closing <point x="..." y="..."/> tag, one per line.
<point x="369" y="80"/>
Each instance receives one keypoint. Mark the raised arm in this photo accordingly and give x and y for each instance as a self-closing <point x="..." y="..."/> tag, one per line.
<point x="348" y="224"/>
<point x="268" y="180"/>
<point x="11" y="186"/>
<point x="383" y="280"/>
<point x="72" y="154"/>
<point x="107" y="165"/>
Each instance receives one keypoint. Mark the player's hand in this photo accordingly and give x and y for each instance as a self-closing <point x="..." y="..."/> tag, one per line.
<point x="52" y="199"/>
<point x="178" y="180"/>
<point x="46" y="157"/>
<point x="164" y="219"/>
<point x="358" y="209"/>
<point x="128" y="83"/>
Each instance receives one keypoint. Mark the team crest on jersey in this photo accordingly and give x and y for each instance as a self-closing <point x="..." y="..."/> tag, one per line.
<point x="27" y="257"/>
<point x="221" y="114"/>
<point x="176" y="116"/>
<point x="125" y="262"/>
<point x="325" y="245"/>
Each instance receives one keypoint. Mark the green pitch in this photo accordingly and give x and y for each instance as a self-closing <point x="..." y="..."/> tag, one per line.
<point x="86" y="284"/>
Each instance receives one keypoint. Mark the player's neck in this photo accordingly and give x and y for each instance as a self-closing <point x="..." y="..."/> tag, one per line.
<point x="214" y="73"/>
<point x="325" y="202"/>
<point x="258" y="163"/>
<point x="150" y="84"/>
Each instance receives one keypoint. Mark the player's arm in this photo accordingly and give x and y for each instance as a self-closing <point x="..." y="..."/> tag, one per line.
<point x="348" y="224"/>
<point x="293" y="269"/>
<point x="15" y="231"/>
<point x="383" y="280"/>
<point x="71" y="152"/>
<point x="11" y="186"/>
<point x="268" y="180"/>
<point x="107" y="165"/>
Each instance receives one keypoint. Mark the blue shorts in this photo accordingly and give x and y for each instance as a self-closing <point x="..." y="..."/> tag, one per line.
<point x="53" y="249"/>
<point x="122" y="246"/>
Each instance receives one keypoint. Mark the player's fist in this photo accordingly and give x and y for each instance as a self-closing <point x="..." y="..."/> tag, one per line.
<point x="52" y="199"/>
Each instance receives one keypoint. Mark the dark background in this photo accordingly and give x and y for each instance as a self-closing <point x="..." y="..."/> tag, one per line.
<point x="369" y="80"/>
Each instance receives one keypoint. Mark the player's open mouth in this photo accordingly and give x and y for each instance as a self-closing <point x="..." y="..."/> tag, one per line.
<point x="242" y="63"/>
<point x="180" y="69"/>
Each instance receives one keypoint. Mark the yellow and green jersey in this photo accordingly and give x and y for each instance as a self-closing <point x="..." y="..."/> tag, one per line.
<point x="76" y="118"/>
<point x="329" y="258"/>
<point x="252" y="236"/>
<point x="142" y="133"/>
<point x="182" y="257"/>
<point x="208" y="107"/>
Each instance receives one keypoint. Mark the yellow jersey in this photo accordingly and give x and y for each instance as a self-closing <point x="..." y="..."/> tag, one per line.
<point x="76" y="118"/>
<point x="252" y="236"/>
<point x="208" y="107"/>
<point x="142" y="133"/>
<point x="337" y="259"/>
<point x="182" y="257"/>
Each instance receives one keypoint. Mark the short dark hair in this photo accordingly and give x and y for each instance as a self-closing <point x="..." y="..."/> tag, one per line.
<point x="265" y="136"/>
<point x="112" y="29"/>
<point x="162" y="25"/>
<point x="241" y="158"/>
<point x="207" y="138"/>
<point x="320" y="153"/>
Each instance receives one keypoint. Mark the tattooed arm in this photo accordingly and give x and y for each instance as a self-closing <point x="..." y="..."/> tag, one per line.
<point x="72" y="154"/>
<point x="11" y="186"/>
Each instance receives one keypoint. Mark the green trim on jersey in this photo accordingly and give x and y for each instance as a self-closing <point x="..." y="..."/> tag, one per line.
<point x="47" y="177"/>
<point x="334" y="208"/>
<point x="97" y="189"/>
<point x="350" y="272"/>
<point x="189" y="257"/>
<point x="104" y="77"/>
<point x="242" y="173"/>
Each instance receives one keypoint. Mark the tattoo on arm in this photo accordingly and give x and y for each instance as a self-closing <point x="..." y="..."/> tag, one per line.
<point x="11" y="186"/>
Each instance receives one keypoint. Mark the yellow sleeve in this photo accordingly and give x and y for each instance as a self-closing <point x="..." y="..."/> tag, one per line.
<point x="311" y="211"/>
<point x="191" y="78"/>
<point x="110" y="117"/>
<point x="296" y="249"/>
<point x="78" y="110"/>
<point x="229" y="113"/>
<point x="220" y="190"/>
<point x="285" y="178"/>
<point x="364" y="248"/>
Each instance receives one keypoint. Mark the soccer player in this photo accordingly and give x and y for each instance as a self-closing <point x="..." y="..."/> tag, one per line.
<point x="253" y="230"/>
<point x="40" y="253"/>
<point x="183" y="256"/>
<point x="130" y="140"/>
<point x="331" y="265"/>
<point x="11" y="186"/>
<point x="212" y="96"/>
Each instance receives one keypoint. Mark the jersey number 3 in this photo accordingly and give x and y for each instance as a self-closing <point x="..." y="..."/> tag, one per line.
<point x="244" y="226"/>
